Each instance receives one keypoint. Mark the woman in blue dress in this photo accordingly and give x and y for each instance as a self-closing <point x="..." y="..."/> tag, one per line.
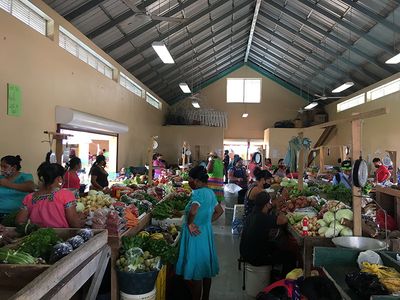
<point x="198" y="260"/>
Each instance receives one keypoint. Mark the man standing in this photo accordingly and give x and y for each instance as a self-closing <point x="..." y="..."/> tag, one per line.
<point x="344" y="176"/>
<point x="226" y="165"/>
<point x="382" y="173"/>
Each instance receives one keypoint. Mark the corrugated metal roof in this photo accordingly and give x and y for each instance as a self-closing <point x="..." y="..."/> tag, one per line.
<point x="311" y="44"/>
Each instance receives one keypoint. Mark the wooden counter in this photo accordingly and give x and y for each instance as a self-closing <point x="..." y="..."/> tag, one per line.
<point x="114" y="241"/>
<point x="389" y="199"/>
<point x="307" y="245"/>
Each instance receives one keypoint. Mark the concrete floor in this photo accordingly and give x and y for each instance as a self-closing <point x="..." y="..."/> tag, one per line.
<point x="228" y="284"/>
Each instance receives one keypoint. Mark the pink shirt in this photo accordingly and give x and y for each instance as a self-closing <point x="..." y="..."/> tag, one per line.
<point x="49" y="210"/>
<point x="160" y="165"/>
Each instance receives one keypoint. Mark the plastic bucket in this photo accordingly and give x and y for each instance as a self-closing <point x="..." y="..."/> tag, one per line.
<point x="136" y="283"/>
<point x="148" y="296"/>
<point x="257" y="278"/>
<point x="228" y="215"/>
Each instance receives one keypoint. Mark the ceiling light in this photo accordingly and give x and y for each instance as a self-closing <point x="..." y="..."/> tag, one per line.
<point x="245" y="115"/>
<point x="163" y="52"/>
<point x="185" y="88"/>
<point x="196" y="104"/>
<point x="394" y="60"/>
<point x="343" y="87"/>
<point x="311" y="105"/>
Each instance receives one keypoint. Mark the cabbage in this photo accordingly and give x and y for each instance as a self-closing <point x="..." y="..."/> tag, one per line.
<point x="329" y="217"/>
<point x="344" y="214"/>
<point x="322" y="230"/>
<point x="92" y="193"/>
<point x="346" y="231"/>
<point x="322" y="223"/>
<point x="80" y="207"/>
<point x="336" y="225"/>
<point x="330" y="233"/>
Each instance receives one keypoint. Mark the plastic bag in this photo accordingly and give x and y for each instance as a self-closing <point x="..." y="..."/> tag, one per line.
<point x="369" y="256"/>
<point x="99" y="218"/>
<point x="232" y="188"/>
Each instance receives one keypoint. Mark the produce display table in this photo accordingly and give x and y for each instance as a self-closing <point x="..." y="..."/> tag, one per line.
<point x="114" y="241"/>
<point x="307" y="245"/>
<point x="338" y="262"/>
<point x="62" y="279"/>
<point x="389" y="199"/>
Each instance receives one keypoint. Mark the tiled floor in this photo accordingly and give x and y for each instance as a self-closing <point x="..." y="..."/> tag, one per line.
<point x="228" y="284"/>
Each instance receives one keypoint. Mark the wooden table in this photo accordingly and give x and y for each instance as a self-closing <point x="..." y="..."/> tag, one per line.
<point x="389" y="199"/>
<point x="307" y="245"/>
<point x="114" y="241"/>
<point x="64" y="278"/>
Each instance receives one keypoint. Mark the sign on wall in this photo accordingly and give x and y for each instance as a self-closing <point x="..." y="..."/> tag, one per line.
<point x="14" y="100"/>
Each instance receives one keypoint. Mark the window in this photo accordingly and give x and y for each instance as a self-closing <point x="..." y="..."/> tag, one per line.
<point x="384" y="90"/>
<point x="153" y="101"/>
<point x="239" y="90"/>
<point x="84" y="53"/>
<point x="352" y="102"/>
<point x="130" y="85"/>
<point x="27" y="13"/>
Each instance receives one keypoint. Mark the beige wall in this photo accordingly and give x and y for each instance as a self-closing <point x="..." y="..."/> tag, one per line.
<point x="200" y="138"/>
<point x="379" y="133"/>
<point x="276" y="140"/>
<point x="49" y="76"/>
<point x="277" y="103"/>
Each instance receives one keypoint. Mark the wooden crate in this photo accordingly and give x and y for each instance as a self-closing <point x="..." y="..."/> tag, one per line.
<point x="60" y="280"/>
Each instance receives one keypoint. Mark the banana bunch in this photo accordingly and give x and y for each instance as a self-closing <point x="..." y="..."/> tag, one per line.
<point x="157" y="236"/>
<point x="143" y="234"/>
<point x="380" y="271"/>
<point x="391" y="284"/>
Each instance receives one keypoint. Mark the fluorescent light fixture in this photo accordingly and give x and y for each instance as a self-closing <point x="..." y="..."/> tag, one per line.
<point x="343" y="87"/>
<point x="196" y="104"/>
<point x="394" y="60"/>
<point x="185" y="88"/>
<point x="245" y="115"/>
<point x="311" y="105"/>
<point x="163" y="52"/>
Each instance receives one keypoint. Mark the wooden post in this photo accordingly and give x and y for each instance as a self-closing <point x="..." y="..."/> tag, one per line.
<point x="150" y="160"/>
<point x="301" y="164"/>
<point x="356" y="153"/>
<point x="321" y="159"/>
<point x="393" y="158"/>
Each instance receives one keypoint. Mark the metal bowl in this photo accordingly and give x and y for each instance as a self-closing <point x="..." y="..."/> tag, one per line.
<point x="359" y="243"/>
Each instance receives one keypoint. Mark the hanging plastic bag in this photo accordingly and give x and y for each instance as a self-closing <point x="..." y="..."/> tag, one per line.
<point x="370" y="257"/>
<point x="232" y="188"/>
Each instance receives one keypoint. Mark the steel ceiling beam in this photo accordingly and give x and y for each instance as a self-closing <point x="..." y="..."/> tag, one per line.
<point x="183" y="76"/>
<point x="280" y="66"/>
<point x="82" y="9"/>
<point x="337" y="40"/>
<point x="174" y="79"/>
<point x="252" y="28"/>
<point x="309" y="54"/>
<point x="163" y="36"/>
<point x="373" y="15"/>
<point x="259" y="61"/>
<point x="292" y="56"/>
<point x="195" y="33"/>
<point x="319" y="46"/>
<point x="317" y="70"/>
<point x="151" y="25"/>
<point x="114" y="22"/>
<point x="221" y="73"/>
<point x="200" y="85"/>
<point x="205" y="50"/>
<point x="184" y="51"/>
<point x="348" y="25"/>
